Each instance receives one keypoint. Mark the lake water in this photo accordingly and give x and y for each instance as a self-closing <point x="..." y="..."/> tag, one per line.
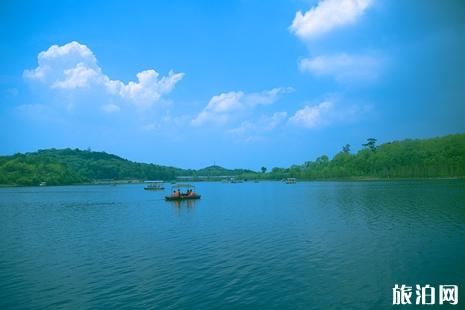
<point x="268" y="245"/>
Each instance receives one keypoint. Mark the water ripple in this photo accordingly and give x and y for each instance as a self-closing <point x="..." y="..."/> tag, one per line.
<point x="266" y="245"/>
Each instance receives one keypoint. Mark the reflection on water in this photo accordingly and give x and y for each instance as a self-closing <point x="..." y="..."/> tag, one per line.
<point x="181" y="206"/>
<point x="254" y="245"/>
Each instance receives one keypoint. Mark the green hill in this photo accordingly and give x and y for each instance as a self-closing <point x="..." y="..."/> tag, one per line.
<point x="217" y="171"/>
<point x="70" y="166"/>
<point x="419" y="158"/>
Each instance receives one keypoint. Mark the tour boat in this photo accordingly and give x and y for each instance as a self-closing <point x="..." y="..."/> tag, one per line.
<point x="182" y="195"/>
<point x="154" y="185"/>
<point x="291" y="181"/>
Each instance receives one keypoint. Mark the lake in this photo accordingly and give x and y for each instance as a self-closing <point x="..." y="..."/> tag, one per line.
<point x="267" y="245"/>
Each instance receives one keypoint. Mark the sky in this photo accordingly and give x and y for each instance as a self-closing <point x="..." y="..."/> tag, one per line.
<point x="242" y="84"/>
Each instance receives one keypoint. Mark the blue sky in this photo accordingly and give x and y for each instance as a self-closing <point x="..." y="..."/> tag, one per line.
<point x="239" y="83"/>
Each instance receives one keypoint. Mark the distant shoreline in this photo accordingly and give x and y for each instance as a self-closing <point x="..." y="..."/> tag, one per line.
<point x="422" y="159"/>
<point x="351" y="179"/>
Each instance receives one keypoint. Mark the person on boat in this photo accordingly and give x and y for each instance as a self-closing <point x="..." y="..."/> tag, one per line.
<point x="174" y="194"/>
<point x="191" y="193"/>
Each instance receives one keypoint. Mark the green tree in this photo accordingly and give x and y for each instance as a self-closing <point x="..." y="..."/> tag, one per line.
<point x="346" y="148"/>
<point x="322" y="160"/>
<point x="263" y="169"/>
<point x="371" y="144"/>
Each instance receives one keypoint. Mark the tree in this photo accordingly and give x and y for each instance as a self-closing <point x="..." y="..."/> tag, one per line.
<point x="346" y="148"/>
<point x="263" y="169"/>
<point x="322" y="160"/>
<point x="371" y="144"/>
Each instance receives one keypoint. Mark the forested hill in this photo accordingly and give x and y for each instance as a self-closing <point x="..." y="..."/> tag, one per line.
<point x="70" y="166"/>
<point x="420" y="158"/>
<point x="217" y="171"/>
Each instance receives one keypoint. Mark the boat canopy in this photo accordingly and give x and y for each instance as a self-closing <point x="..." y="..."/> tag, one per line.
<point x="157" y="181"/>
<point x="183" y="186"/>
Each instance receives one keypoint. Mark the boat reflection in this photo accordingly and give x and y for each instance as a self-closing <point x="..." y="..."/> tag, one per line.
<point x="180" y="206"/>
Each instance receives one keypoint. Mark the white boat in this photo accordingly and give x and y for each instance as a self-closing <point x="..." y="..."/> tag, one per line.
<point x="154" y="185"/>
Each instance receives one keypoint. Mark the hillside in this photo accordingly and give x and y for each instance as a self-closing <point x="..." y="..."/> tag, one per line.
<point x="419" y="158"/>
<point x="217" y="171"/>
<point x="70" y="166"/>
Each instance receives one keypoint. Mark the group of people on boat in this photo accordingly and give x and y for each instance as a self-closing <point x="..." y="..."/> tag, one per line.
<point x="177" y="193"/>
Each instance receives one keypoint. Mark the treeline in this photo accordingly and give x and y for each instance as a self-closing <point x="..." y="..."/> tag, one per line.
<point x="69" y="166"/>
<point x="73" y="166"/>
<point x="419" y="158"/>
<point x="436" y="157"/>
<point x="218" y="171"/>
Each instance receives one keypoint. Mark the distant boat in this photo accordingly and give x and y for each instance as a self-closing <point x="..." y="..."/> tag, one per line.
<point x="234" y="180"/>
<point x="154" y="185"/>
<point x="178" y="195"/>
<point x="43" y="184"/>
<point x="290" y="180"/>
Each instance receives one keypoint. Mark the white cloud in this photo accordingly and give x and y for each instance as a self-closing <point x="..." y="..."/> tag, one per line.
<point x="312" y="116"/>
<point x="220" y="107"/>
<point x="246" y="131"/>
<point x="150" y="88"/>
<point x="326" y="16"/>
<point x="59" y="64"/>
<point x="334" y="110"/>
<point x="270" y="123"/>
<point x="249" y="131"/>
<point x="343" y="67"/>
<point x="78" y="77"/>
<point x="74" y="66"/>
<point x="150" y="127"/>
<point x="265" y="123"/>
<point x="111" y="108"/>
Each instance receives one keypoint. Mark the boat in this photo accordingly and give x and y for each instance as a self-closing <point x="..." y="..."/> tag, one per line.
<point x="183" y="195"/>
<point x="234" y="180"/>
<point x="169" y="198"/>
<point x="291" y="181"/>
<point x="154" y="185"/>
